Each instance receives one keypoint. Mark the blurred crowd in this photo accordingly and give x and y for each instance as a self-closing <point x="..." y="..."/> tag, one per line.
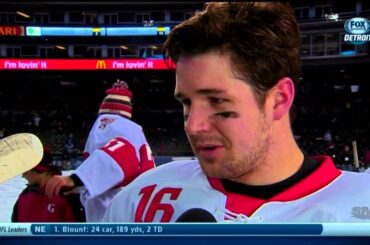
<point x="324" y="121"/>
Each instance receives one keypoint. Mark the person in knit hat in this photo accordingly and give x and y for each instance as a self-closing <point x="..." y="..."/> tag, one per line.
<point x="118" y="100"/>
<point x="116" y="152"/>
<point x="33" y="205"/>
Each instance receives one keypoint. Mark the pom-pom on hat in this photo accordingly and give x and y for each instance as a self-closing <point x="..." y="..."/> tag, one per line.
<point x="118" y="100"/>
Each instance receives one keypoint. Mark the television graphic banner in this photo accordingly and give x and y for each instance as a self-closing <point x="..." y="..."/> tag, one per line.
<point x="85" y="64"/>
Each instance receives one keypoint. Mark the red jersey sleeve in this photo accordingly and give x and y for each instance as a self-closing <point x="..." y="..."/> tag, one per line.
<point x="146" y="158"/>
<point x="123" y="153"/>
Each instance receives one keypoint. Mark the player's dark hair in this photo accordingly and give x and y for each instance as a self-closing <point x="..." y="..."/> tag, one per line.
<point x="262" y="39"/>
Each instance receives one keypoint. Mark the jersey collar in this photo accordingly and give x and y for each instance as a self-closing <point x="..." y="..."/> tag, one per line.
<point x="318" y="179"/>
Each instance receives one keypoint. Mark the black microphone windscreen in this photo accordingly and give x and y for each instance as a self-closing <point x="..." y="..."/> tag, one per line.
<point x="196" y="215"/>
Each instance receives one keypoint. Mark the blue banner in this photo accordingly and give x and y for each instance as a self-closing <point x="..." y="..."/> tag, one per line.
<point x="150" y="229"/>
<point x="183" y="229"/>
<point x="97" y="31"/>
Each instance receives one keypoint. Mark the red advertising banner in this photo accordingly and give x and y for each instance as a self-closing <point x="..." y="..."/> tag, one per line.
<point x="11" y="31"/>
<point x="84" y="64"/>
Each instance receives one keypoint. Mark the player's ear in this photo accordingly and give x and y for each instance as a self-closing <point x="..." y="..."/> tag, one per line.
<point x="283" y="96"/>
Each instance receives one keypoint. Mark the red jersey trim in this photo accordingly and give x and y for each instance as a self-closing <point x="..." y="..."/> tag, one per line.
<point x="320" y="178"/>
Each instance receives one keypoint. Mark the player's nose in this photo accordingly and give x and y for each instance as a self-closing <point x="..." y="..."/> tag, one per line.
<point x="197" y="121"/>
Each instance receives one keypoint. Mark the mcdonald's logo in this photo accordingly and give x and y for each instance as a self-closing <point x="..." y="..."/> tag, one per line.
<point x="100" y="64"/>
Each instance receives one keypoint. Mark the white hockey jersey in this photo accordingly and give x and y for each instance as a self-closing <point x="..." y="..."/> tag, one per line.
<point x="117" y="153"/>
<point x="164" y="193"/>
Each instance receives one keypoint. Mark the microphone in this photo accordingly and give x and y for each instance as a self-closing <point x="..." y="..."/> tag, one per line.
<point x="196" y="215"/>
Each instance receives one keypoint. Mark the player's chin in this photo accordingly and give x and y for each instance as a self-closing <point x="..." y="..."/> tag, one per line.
<point x="212" y="169"/>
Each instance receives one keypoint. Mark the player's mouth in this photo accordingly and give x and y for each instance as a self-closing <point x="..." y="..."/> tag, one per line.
<point x="209" y="150"/>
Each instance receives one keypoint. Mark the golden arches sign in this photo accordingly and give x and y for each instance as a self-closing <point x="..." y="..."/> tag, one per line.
<point x="100" y="64"/>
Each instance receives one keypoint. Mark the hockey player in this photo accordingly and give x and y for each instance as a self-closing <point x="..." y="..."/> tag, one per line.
<point x="116" y="150"/>
<point x="237" y="65"/>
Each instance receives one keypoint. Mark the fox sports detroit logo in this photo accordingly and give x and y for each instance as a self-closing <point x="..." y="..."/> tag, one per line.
<point x="356" y="30"/>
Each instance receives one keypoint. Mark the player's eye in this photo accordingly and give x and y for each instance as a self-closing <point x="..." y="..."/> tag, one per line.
<point x="215" y="100"/>
<point x="228" y="114"/>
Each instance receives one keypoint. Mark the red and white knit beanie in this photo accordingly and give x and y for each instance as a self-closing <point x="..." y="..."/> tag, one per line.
<point x="118" y="100"/>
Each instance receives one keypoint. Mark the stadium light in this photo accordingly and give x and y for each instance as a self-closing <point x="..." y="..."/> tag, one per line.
<point x="60" y="47"/>
<point x="333" y="16"/>
<point x="23" y="14"/>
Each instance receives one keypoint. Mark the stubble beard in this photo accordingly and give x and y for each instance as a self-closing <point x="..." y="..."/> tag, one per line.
<point x="234" y="166"/>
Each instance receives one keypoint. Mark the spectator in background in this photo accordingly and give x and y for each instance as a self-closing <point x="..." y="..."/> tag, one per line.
<point x="328" y="136"/>
<point x="367" y="157"/>
<point x="116" y="152"/>
<point x="70" y="152"/>
<point x="345" y="157"/>
<point x="34" y="206"/>
<point x="36" y="119"/>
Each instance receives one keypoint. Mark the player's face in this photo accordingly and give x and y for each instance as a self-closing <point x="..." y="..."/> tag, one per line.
<point x="31" y="176"/>
<point x="227" y="130"/>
